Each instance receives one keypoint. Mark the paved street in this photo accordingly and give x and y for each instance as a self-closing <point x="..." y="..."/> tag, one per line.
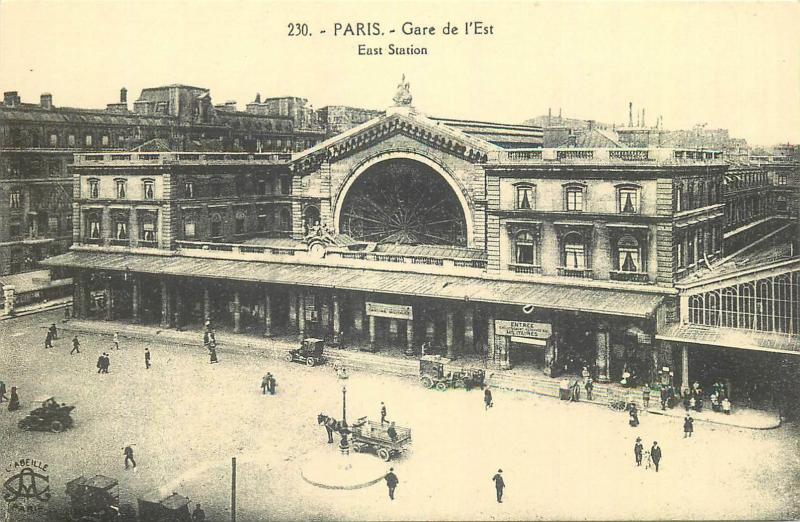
<point x="186" y="419"/>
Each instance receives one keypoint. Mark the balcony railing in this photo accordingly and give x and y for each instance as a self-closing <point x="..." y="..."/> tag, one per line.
<point x="655" y="155"/>
<point x="120" y="242"/>
<point x="629" y="277"/>
<point x="182" y="157"/>
<point x="524" y="155"/>
<point x="585" y="273"/>
<point x="525" y="269"/>
<point x="569" y="154"/>
<point x="629" y="155"/>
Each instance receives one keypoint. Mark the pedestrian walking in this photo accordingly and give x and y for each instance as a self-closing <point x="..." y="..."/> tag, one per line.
<point x="271" y="383"/>
<point x="100" y="361"/>
<point x="391" y="482"/>
<point x="383" y="413"/>
<point x="655" y="454"/>
<point x="53" y="330"/>
<point x="664" y="397"/>
<point x="487" y="399"/>
<point x="198" y="515"/>
<point x="688" y="426"/>
<point x="575" y="392"/>
<point x="13" y="402"/>
<point x="726" y="406"/>
<point x="589" y="388"/>
<point x="106" y="362"/>
<point x="499" y="485"/>
<point x="646" y="396"/>
<point x="48" y="340"/>
<point x="633" y="416"/>
<point x="115" y="341"/>
<point x="3" y="392"/>
<point x="76" y="345"/>
<point x="147" y="358"/>
<point x="265" y="384"/>
<point x="637" y="451"/>
<point x="128" y="451"/>
<point x="212" y="352"/>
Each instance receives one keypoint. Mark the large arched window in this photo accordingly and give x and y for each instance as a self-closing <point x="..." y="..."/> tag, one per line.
<point x="574" y="251"/>
<point x="712" y="309"/>
<point x="729" y="307"/>
<point x="525" y="248"/>
<point x="629" y="254"/>
<point x="764" y="305"/>
<point x="696" y="309"/>
<point x="239" y="222"/>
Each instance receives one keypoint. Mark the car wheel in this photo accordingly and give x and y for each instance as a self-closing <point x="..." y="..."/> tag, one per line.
<point x="426" y="381"/>
<point x="56" y="426"/>
<point x="441" y="386"/>
<point x="289" y="357"/>
<point x="384" y="454"/>
<point x="310" y="361"/>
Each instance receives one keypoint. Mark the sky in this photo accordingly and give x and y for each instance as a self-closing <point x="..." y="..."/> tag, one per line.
<point x="728" y="65"/>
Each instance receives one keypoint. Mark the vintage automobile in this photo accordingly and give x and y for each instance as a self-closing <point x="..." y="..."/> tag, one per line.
<point x="437" y="372"/>
<point x="310" y="352"/>
<point x="174" y="508"/>
<point x="49" y="416"/>
<point x="369" y="435"/>
<point x="96" y="499"/>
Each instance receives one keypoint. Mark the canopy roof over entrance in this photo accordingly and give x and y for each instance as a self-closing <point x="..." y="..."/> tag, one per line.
<point x="541" y="295"/>
<point x="732" y="338"/>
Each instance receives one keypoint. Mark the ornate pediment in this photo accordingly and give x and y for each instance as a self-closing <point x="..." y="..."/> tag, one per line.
<point x="414" y="126"/>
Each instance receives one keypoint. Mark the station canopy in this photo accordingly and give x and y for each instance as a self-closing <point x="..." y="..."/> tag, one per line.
<point x="541" y="295"/>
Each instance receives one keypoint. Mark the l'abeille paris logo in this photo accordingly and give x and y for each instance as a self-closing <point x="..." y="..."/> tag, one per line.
<point x="27" y="485"/>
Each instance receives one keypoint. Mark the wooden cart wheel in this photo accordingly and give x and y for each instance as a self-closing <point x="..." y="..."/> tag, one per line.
<point x="384" y="454"/>
<point x="426" y="381"/>
<point x="310" y="361"/>
<point x="289" y="357"/>
<point x="441" y="386"/>
<point x="56" y="426"/>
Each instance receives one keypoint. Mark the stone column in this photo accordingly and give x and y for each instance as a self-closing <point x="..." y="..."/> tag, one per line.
<point x="8" y="295"/>
<point x="109" y="299"/>
<point x="293" y="310"/>
<point x="372" y="331"/>
<point x="337" y="325"/>
<point x="133" y="227"/>
<point x="178" y="312"/>
<point x="136" y="293"/>
<point x="79" y="303"/>
<point x="166" y="319"/>
<point x="602" y="343"/>
<point x="206" y="305"/>
<point x="451" y="353"/>
<point x="490" y="337"/>
<point x="237" y="312"/>
<point x="684" y="367"/>
<point x="430" y="331"/>
<point x="267" y="314"/>
<point x="469" y="331"/>
<point x="301" y="314"/>
<point x="106" y="232"/>
<point x="358" y="316"/>
<point x="409" y="337"/>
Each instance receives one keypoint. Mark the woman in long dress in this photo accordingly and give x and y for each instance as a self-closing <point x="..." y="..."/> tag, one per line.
<point x="13" y="403"/>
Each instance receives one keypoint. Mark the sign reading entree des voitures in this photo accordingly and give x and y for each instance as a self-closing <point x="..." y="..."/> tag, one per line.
<point x="523" y="329"/>
<point x="393" y="311"/>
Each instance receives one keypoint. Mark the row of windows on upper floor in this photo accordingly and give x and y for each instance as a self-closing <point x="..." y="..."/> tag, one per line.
<point x="744" y="209"/>
<point x="697" y="244"/>
<point x="216" y="187"/>
<point x="574" y="198"/>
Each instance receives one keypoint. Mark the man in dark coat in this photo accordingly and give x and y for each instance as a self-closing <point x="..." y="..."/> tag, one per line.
<point x="271" y="382"/>
<point x="391" y="482"/>
<point x="48" y="340"/>
<point x="655" y="454"/>
<point x="53" y="330"/>
<point x="589" y="388"/>
<point x="147" y="358"/>
<point x="13" y="403"/>
<point x="664" y="397"/>
<point x="129" y="456"/>
<point x="76" y="345"/>
<point x="499" y="485"/>
<point x="487" y="398"/>
<point x="3" y="392"/>
<point x="637" y="451"/>
<point x="198" y="515"/>
<point x="392" y="432"/>
<point x="383" y="413"/>
<point x="688" y="426"/>
<point x="100" y="362"/>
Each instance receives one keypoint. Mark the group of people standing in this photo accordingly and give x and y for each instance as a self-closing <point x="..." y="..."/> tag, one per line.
<point x="268" y="384"/>
<point x="653" y="456"/>
<point x="13" y="400"/>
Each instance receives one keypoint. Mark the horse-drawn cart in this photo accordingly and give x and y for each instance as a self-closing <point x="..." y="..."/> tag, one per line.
<point x="369" y="435"/>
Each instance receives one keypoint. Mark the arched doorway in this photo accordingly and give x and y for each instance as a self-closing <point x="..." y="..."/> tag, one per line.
<point x="403" y="201"/>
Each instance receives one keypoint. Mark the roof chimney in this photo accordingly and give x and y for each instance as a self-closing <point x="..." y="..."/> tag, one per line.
<point x="591" y="124"/>
<point x="643" y="123"/>
<point x="123" y="95"/>
<point x="11" y="99"/>
<point x="549" y="115"/>
<point x="46" y="100"/>
<point x="258" y="98"/>
<point x="559" y="114"/>
<point x="630" y="114"/>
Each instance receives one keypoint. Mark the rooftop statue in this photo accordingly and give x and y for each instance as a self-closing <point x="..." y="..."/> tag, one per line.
<point x="403" y="95"/>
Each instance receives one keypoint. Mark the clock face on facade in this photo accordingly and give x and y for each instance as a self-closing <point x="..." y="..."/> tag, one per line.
<point x="403" y="201"/>
<point x="317" y="250"/>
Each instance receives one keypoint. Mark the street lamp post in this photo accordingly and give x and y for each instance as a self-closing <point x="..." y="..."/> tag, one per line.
<point x="344" y="445"/>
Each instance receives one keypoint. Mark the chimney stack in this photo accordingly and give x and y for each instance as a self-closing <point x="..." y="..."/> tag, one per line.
<point x="630" y="114"/>
<point x="258" y="98"/>
<point x="46" y="100"/>
<point x="11" y="99"/>
<point x="549" y="115"/>
<point x="643" y="123"/>
<point x="123" y="95"/>
<point x="591" y="124"/>
<point x="559" y="115"/>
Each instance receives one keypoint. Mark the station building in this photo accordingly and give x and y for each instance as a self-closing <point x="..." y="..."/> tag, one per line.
<point x="408" y="229"/>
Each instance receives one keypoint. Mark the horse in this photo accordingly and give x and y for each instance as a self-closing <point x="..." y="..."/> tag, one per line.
<point x="330" y="424"/>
